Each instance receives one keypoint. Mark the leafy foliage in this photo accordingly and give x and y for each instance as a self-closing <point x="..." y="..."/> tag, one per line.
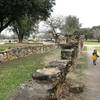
<point x="23" y="26"/>
<point x="87" y="32"/>
<point x="96" y="32"/>
<point x="71" y="25"/>
<point x="11" y="10"/>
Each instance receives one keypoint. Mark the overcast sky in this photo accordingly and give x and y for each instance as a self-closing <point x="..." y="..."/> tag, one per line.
<point x="88" y="11"/>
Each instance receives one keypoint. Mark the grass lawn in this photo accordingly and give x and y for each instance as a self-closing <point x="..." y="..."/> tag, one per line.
<point x="84" y="48"/>
<point x="81" y="66"/>
<point x="6" y="46"/>
<point x="23" y="44"/>
<point x="98" y="48"/>
<point x="3" y="48"/>
<point x="92" y="43"/>
<point x="77" y="75"/>
<point x="16" y="72"/>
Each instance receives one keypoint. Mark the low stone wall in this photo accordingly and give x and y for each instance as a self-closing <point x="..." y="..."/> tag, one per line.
<point x="46" y="83"/>
<point x="22" y="51"/>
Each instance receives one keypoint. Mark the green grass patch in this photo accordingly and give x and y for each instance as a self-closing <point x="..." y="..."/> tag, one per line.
<point x="84" y="48"/>
<point x="9" y="45"/>
<point x="92" y="43"/>
<point x="81" y="66"/>
<point x="77" y="75"/>
<point x="23" y="44"/>
<point x="16" y="72"/>
<point x="2" y="48"/>
<point x="83" y="58"/>
<point x="97" y="48"/>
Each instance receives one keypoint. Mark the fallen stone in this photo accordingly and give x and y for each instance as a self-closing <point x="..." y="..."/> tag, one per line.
<point x="76" y="87"/>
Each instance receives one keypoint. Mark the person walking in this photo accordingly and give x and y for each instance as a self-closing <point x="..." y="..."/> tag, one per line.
<point x="94" y="56"/>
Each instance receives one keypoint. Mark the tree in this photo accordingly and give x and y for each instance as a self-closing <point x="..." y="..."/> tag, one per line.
<point x="12" y="10"/>
<point x="71" y="26"/>
<point x="86" y="32"/>
<point x="96" y="34"/>
<point x="33" y="36"/>
<point x="24" y="26"/>
<point x="55" y="24"/>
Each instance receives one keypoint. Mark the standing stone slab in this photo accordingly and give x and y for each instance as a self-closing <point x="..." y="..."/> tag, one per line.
<point x="67" y="54"/>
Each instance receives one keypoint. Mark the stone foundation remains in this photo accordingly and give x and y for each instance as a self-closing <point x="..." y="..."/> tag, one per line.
<point x="46" y="83"/>
<point x="22" y="51"/>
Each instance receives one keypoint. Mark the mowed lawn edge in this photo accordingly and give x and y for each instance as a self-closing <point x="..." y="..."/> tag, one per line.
<point x="91" y="43"/>
<point x="18" y="71"/>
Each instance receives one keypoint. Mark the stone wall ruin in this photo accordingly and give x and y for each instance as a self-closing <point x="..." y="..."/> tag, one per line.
<point x="46" y="83"/>
<point x="22" y="51"/>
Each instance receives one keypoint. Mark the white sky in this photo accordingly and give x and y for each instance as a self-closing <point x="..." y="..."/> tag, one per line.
<point x="86" y="10"/>
<point x="7" y="32"/>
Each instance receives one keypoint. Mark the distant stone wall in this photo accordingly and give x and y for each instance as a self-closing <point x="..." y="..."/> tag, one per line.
<point x="22" y="51"/>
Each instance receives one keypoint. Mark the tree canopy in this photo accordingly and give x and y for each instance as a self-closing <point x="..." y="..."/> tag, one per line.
<point x="24" y="26"/>
<point x="96" y="32"/>
<point x="87" y="32"/>
<point x="71" y="25"/>
<point x="55" y="23"/>
<point x="10" y="10"/>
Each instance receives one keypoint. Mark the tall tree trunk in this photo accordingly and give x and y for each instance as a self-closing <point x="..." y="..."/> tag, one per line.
<point x="56" y="39"/>
<point x="98" y="40"/>
<point x="20" y="37"/>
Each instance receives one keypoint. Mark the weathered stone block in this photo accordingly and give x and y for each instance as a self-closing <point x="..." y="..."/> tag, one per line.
<point x="46" y="75"/>
<point x="60" y="64"/>
<point x="67" y="54"/>
<point x="66" y="46"/>
<point x="76" y="87"/>
<point x="34" y="91"/>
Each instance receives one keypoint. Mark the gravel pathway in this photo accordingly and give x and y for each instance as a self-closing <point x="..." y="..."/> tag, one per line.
<point x="92" y="91"/>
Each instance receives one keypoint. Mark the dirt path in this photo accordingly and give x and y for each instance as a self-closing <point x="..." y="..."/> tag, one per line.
<point x="92" y="91"/>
